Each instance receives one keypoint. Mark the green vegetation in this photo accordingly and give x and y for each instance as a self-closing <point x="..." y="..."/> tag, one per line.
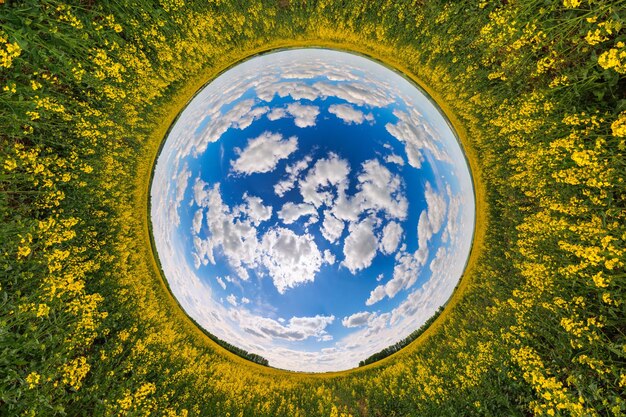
<point x="536" y="90"/>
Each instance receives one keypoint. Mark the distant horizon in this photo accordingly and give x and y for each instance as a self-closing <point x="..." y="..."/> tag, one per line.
<point x="257" y="165"/>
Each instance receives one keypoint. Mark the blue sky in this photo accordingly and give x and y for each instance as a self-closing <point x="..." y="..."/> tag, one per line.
<point x="311" y="206"/>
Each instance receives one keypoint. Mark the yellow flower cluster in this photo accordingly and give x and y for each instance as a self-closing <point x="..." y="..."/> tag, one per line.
<point x="75" y="371"/>
<point x="65" y="14"/>
<point x="618" y="127"/>
<point x="33" y="379"/>
<point x="570" y="4"/>
<point x="8" y="51"/>
<point x="614" y="58"/>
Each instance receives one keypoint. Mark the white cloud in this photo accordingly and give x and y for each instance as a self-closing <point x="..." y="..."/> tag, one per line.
<point x="332" y="228"/>
<point x="357" y="319"/>
<point x="431" y="220"/>
<point x="240" y="116"/>
<point x="295" y="329"/>
<point x="349" y="114"/>
<point x="255" y="210"/>
<point x="292" y="171"/>
<point x="394" y="159"/>
<point x="392" y="233"/>
<point x="290" y="259"/>
<point x="376" y="295"/>
<point x="326" y="173"/>
<point x="291" y="212"/>
<point x="360" y="94"/>
<point x="232" y="299"/>
<point x="379" y="189"/>
<point x="263" y="153"/>
<point x="304" y="116"/>
<point x="221" y="282"/>
<point x="244" y="300"/>
<point x="200" y="193"/>
<point x="451" y="231"/>
<point x="408" y="266"/>
<point x="181" y="181"/>
<point x="413" y="130"/>
<point x="329" y="258"/>
<point x="236" y="239"/>
<point x="360" y="246"/>
<point x="196" y="223"/>
<point x="203" y="252"/>
<point x="277" y="113"/>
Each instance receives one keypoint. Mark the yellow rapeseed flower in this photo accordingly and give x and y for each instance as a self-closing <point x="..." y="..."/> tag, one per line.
<point x="618" y="127"/>
<point x="8" y="52"/>
<point x="33" y="379"/>
<point x="614" y="58"/>
<point x="570" y="4"/>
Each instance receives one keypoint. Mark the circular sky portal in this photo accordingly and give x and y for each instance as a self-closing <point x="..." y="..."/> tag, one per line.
<point x="312" y="207"/>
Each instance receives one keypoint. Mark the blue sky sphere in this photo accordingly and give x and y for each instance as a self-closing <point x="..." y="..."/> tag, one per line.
<point x="313" y="207"/>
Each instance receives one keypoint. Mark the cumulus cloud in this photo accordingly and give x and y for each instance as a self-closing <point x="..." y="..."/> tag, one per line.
<point x="360" y="246"/>
<point x="240" y="116"/>
<point x="326" y="174"/>
<point x="255" y="210"/>
<point x="292" y="171"/>
<point x="432" y="218"/>
<point x="408" y="266"/>
<point x="203" y="252"/>
<point x="405" y="272"/>
<point x="349" y="114"/>
<point x="413" y="130"/>
<point x="221" y="282"/>
<point x="357" y="319"/>
<point x="394" y="159"/>
<point x="332" y="228"/>
<point x="181" y="181"/>
<point x="392" y="233"/>
<point x="291" y="212"/>
<point x="295" y="329"/>
<point x="236" y="239"/>
<point x="263" y="153"/>
<point x="451" y="231"/>
<point x="329" y="258"/>
<point x="357" y="93"/>
<point x="232" y="299"/>
<point x="277" y="113"/>
<point x="291" y="259"/>
<point x="196" y="223"/>
<point x="379" y="189"/>
<point x="304" y="116"/>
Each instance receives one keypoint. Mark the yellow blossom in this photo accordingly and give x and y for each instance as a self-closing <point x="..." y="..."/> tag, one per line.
<point x="8" y="52"/>
<point x="43" y="310"/>
<point x="618" y="127"/>
<point x="570" y="4"/>
<point x="23" y="251"/>
<point x="33" y="379"/>
<point x="614" y="58"/>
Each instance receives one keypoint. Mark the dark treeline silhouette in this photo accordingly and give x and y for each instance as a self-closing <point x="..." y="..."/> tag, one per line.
<point x="232" y="348"/>
<point x="238" y="351"/>
<point x="390" y="350"/>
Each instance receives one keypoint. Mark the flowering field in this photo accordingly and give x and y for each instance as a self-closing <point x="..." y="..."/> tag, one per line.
<point x="537" y="90"/>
